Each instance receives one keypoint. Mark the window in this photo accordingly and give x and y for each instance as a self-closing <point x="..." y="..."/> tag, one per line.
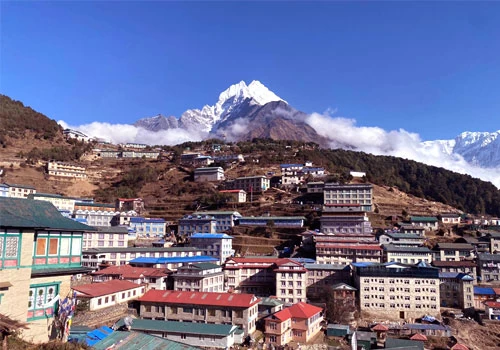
<point x="187" y="310"/>
<point x="39" y="298"/>
<point x="41" y="246"/>
<point x="53" y="246"/>
<point x="9" y="248"/>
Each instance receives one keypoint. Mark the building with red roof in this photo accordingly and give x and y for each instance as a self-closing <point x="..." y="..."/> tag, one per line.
<point x="299" y="322"/>
<point x="492" y="309"/>
<point x="205" y="307"/>
<point x="109" y="293"/>
<point x="238" y="196"/>
<point x="155" y="278"/>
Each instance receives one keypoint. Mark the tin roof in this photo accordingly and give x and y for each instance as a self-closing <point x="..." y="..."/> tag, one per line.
<point x="26" y="213"/>
<point x="105" y="288"/>
<point x="138" y="340"/>
<point x="200" y="298"/>
<point x="181" y="327"/>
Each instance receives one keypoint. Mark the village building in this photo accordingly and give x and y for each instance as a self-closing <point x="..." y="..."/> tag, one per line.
<point x="236" y="309"/>
<point x="250" y="184"/>
<point x="40" y="252"/>
<point x="66" y="170"/>
<point x="481" y="295"/>
<point x="105" y="294"/>
<point x="406" y="254"/>
<point x="315" y="187"/>
<point x="211" y="174"/>
<point x="398" y="290"/>
<point x="488" y="267"/>
<point x="172" y="263"/>
<point x="202" y="277"/>
<point x="492" y="309"/>
<point x="264" y="276"/>
<point x="344" y="222"/>
<point x="106" y="236"/>
<point x="453" y="251"/>
<point x="321" y="277"/>
<point x="300" y="323"/>
<point x="360" y="194"/>
<point x="456" y="290"/>
<point x="94" y="257"/>
<point x="412" y="229"/>
<point x="344" y="249"/>
<point x="129" y="204"/>
<point x="19" y="191"/>
<point x="60" y="202"/>
<point x="95" y="217"/>
<point x="217" y="245"/>
<point x="148" y="227"/>
<point x="468" y="267"/>
<point x="237" y="196"/>
<point x="200" y="223"/>
<point x="152" y="277"/>
<point x="427" y="222"/>
<point x="75" y="134"/>
<point x="206" y="335"/>
<point x="401" y="239"/>
<point x="224" y="220"/>
<point x="274" y="221"/>
<point x="450" y="218"/>
<point x="294" y="174"/>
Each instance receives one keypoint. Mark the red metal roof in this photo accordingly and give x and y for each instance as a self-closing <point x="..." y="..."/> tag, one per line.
<point x="492" y="303"/>
<point x="231" y="191"/>
<point x="299" y="310"/>
<point x="419" y="336"/>
<point x="459" y="346"/>
<point x="200" y="298"/>
<point x="132" y="272"/>
<point x="106" y="288"/>
<point x="351" y="246"/>
<point x="462" y="263"/>
<point x="380" y="327"/>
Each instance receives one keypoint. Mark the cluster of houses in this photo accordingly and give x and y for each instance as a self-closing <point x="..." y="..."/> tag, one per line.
<point x="203" y="294"/>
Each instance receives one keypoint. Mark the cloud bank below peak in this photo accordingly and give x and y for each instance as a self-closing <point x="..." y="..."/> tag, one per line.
<point x="344" y="133"/>
<point x="339" y="131"/>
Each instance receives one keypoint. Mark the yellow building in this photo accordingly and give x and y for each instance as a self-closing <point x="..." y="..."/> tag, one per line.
<point x="40" y="251"/>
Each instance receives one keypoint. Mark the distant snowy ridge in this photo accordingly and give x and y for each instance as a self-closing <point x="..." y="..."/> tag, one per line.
<point x="477" y="148"/>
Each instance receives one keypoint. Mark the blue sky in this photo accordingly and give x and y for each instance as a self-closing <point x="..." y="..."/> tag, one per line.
<point x="431" y="68"/>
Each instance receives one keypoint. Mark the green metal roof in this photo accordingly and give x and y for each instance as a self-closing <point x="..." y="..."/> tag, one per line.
<point x="181" y="327"/>
<point x="25" y="213"/>
<point x="206" y="266"/>
<point x="97" y="205"/>
<point x="137" y="340"/>
<point x="423" y="219"/>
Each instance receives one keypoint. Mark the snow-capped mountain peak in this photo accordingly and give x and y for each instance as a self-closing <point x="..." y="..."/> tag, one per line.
<point x="230" y="100"/>
<point x="256" y="90"/>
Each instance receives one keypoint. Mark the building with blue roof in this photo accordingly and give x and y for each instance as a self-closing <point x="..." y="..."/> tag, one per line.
<point x="456" y="290"/>
<point x="217" y="245"/>
<point x="172" y="263"/>
<point x="148" y="227"/>
<point x="482" y="294"/>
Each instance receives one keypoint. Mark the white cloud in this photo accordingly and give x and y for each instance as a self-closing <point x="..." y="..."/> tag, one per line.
<point x="343" y="133"/>
<point x="123" y="133"/>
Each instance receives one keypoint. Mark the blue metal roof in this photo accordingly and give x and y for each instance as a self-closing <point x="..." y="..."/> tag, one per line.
<point x="210" y="235"/>
<point x="484" y="290"/>
<point x="92" y="337"/>
<point x="291" y="165"/>
<point x="459" y="275"/>
<point x="174" y="260"/>
<point x="423" y="326"/>
<point x="140" y="220"/>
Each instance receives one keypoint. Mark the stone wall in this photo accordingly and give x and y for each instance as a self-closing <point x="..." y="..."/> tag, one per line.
<point x="101" y="317"/>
